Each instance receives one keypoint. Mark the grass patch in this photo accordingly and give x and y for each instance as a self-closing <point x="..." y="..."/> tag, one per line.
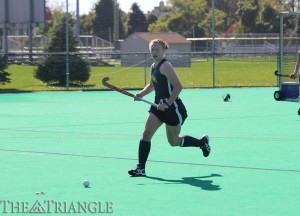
<point x="228" y="73"/>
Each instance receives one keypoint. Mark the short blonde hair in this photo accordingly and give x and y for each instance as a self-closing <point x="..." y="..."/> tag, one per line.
<point x="164" y="45"/>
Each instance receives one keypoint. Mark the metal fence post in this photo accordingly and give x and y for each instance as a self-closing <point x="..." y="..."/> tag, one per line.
<point x="67" y="46"/>
<point x="213" y="44"/>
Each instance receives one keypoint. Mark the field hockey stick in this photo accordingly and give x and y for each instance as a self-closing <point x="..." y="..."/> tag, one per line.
<point x="283" y="75"/>
<point x="105" y="83"/>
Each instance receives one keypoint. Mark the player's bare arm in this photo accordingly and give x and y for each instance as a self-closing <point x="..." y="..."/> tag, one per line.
<point x="148" y="89"/>
<point x="168" y="70"/>
<point x="296" y="69"/>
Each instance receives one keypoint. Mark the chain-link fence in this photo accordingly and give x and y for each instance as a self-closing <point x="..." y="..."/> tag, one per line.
<point x="132" y="70"/>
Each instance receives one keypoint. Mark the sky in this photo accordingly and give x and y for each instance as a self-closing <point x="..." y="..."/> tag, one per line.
<point x="86" y="5"/>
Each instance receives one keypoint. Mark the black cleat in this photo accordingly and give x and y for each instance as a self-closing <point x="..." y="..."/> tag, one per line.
<point x="137" y="171"/>
<point x="205" y="147"/>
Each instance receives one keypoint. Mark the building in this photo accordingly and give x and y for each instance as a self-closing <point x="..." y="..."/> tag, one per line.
<point x="136" y="48"/>
<point x="20" y="18"/>
<point x="160" y="10"/>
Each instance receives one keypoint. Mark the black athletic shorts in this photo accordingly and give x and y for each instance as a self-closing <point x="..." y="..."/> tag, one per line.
<point x="173" y="116"/>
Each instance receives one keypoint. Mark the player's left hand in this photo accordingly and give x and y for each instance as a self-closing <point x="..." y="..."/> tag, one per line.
<point x="292" y="76"/>
<point x="162" y="106"/>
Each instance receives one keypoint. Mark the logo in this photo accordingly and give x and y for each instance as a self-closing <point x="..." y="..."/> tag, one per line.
<point x="154" y="78"/>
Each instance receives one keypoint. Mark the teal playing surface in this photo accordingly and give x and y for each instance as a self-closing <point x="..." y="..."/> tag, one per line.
<point x="51" y="141"/>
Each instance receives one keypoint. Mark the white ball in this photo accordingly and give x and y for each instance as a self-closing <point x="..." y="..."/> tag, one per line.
<point x="86" y="183"/>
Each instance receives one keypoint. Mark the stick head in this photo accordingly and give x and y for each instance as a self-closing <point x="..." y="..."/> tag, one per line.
<point x="105" y="79"/>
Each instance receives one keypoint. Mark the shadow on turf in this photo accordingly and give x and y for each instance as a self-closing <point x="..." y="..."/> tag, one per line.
<point x="193" y="181"/>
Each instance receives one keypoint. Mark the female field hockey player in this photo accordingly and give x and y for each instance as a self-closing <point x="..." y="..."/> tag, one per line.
<point x="170" y="111"/>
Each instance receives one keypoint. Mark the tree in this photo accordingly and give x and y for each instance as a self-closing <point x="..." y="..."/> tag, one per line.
<point x="151" y="18"/>
<point x="230" y="16"/>
<point x="122" y="20"/>
<point x="160" y="25"/>
<point x="3" y="74"/>
<point x="103" y="20"/>
<point x="178" y="24"/>
<point x="249" y="12"/>
<point x="290" y="5"/>
<point x="86" y="27"/>
<point x="103" y="23"/>
<point x="186" y="15"/>
<point x="136" y="20"/>
<point x="270" y="20"/>
<point x="52" y="68"/>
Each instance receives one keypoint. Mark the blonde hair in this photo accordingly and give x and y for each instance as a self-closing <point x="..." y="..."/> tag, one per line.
<point x="164" y="45"/>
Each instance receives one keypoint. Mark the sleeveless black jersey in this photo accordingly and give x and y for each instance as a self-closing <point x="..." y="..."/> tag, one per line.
<point x="162" y="86"/>
<point x="176" y="114"/>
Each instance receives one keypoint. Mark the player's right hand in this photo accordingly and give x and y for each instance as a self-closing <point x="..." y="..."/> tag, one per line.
<point x="292" y="76"/>
<point x="137" y="97"/>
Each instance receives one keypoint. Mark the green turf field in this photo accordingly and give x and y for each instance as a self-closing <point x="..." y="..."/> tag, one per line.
<point x="52" y="141"/>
